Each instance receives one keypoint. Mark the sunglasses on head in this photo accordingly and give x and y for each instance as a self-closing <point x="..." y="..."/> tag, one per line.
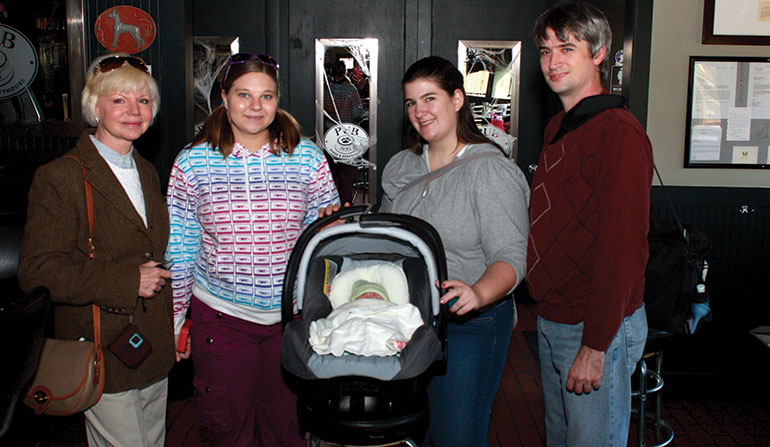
<point x="110" y="63"/>
<point x="242" y="58"/>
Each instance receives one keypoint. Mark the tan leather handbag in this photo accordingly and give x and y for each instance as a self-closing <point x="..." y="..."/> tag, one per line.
<point x="69" y="377"/>
<point x="70" y="374"/>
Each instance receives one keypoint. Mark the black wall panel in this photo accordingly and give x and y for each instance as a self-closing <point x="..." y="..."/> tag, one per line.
<point x="737" y="222"/>
<point x="385" y="21"/>
<point x="232" y="18"/>
<point x="455" y="20"/>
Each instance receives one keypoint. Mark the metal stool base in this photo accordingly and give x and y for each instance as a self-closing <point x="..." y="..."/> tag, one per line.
<point x="651" y="383"/>
<point x="662" y="431"/>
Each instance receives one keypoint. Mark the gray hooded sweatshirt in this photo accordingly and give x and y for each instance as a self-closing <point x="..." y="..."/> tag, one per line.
<point x="479" y="208"/>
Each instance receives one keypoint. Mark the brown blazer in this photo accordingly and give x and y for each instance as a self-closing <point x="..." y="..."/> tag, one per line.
<point x="54" y="253"/>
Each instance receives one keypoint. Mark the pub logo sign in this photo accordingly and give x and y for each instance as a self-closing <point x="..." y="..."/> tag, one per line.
<point x="18" y="62"/>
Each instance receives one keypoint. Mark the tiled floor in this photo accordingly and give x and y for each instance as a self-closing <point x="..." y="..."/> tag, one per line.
<point x="704" y="410"/>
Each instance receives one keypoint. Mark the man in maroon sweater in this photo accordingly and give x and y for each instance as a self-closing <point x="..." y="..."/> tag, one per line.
<point x="587" y="251"/>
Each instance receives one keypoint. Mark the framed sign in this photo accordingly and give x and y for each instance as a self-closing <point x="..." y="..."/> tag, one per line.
<point x="42" y="70"/>
<point x="736" y="22"/>
<point x="728" y="113"/>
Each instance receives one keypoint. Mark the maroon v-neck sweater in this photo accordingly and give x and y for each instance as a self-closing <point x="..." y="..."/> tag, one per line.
<point x="589" y="217"/>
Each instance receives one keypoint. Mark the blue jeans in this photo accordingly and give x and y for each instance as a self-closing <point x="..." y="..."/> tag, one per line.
<point x="461" y="400"/>
<point x="601" y="417"/>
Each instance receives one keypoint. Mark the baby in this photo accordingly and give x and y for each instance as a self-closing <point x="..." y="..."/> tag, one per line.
<point x="365" y="289"/>
<point x="371" y="313"/>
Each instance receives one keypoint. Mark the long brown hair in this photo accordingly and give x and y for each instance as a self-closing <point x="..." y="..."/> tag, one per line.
<point x="218" y="133"/>
<point x="445" y="75"/>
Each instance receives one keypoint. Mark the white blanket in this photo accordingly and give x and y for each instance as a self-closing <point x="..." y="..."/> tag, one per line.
<point x="368" y="327"/>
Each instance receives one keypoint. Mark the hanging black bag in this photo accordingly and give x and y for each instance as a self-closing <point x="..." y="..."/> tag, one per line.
<point x="675" y="295"/>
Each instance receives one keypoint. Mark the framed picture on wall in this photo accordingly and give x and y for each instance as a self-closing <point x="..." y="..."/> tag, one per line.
<point x="736" y="22"/>
<point x="728" y="113"/>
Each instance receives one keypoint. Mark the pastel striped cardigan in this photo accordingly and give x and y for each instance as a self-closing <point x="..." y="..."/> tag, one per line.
<point x="234" y="221"/>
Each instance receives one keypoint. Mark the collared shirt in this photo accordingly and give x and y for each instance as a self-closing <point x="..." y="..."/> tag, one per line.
<point x="124" y="168"/>
<point x="125" y="161"/>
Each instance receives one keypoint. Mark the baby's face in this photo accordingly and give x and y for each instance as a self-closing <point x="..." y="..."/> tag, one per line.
<point x="370" y="295"/>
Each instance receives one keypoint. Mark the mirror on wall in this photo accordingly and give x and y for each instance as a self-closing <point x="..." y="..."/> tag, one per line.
<point x="491" y="72"/>
<point x="346" y="114"/>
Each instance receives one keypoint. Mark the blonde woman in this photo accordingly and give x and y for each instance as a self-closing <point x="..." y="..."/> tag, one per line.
<point x="118" y="270"/>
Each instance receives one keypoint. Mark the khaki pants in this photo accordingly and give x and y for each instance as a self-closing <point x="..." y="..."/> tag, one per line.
<point x="133" y="418"/>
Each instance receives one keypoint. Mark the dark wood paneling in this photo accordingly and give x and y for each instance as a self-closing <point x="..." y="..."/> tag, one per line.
<point x="175" y="68"/>
<point x="277" y="42"/>
<point x="385" y="21"/>
<point x="636" y="58"/>
<point x="246" y="20"/>
<point x="19" y="158"/>
<point x="455" y="20"/>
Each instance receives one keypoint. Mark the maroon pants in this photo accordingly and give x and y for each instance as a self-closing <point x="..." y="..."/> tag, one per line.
<point x="238" y="376"/>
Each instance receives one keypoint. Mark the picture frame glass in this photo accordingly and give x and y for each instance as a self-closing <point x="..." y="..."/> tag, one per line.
<point x="728" y="113"/>
<point x="736" y="22"/>
<point x="742" y="17"/>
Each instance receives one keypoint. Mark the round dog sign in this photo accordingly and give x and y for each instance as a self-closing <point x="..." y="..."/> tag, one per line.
<point x="125" y="29"/>
<point x="346" y="142"/>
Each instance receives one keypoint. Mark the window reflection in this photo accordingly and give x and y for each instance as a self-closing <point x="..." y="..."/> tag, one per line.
<point x="346" y="113"/>
<point x="491" y="71"/>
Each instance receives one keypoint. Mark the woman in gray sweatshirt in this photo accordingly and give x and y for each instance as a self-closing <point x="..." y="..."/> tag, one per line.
<point x="460" y="182"/>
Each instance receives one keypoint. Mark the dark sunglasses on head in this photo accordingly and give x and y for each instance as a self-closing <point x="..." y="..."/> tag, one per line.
<point x="242" y="58"/>
<point x="110" y="63"/>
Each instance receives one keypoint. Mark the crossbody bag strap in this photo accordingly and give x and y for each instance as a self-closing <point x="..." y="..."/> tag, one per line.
<point x="670" y="204"/>
<point x="97" y="325"/>
<point x="89" y="207"/>
<point x="91" y="248"/>
<point x="430" y="176"/>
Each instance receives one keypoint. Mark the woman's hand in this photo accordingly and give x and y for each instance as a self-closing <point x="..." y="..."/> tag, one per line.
<point x="328" y="211"/>
<point x="496" y="281"/>
<point x="468" y="298"/>
<point x="151" y="279"/>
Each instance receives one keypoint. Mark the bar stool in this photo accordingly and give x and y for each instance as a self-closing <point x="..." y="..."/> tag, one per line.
<point x="651" y="385"/>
